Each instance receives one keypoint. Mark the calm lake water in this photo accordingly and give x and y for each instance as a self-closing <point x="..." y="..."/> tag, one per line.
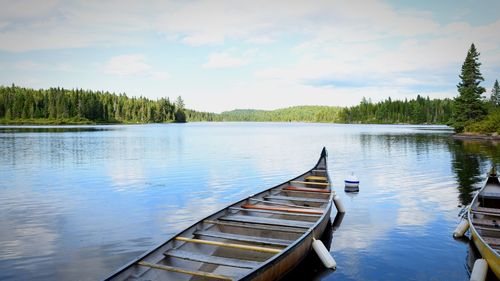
<point x="76" y="203"/>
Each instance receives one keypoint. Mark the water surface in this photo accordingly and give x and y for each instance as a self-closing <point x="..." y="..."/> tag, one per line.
<point x="76" y="203"/>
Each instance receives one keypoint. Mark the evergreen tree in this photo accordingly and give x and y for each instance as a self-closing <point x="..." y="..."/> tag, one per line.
<point x="180" y="114"/>
<point x="495" y="95"/>
<point x="468" y="106"/>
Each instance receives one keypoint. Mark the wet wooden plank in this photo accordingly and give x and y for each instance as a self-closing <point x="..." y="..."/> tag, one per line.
<point x="253" y="226"/>
<point x="244" y="238"/>
<point x="307" y="189"/>
<point x="269" y="221"/>
<point x="311" y="183"/>
<point x="486" y="210"/>
<point x="274" y="212"/>
<point x="230" y="245"/>
<point x="185" y="271"/>
<point x="301" y="199"/>
<point x="316" y="178"/>
<point x="283" y="209"/>
<point x="186" y="255"/>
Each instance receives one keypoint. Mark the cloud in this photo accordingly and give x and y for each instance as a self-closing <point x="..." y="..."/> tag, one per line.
<point x="225" y="60"/>
<point x="132" y="65"/>
<point x="126" y="65"/>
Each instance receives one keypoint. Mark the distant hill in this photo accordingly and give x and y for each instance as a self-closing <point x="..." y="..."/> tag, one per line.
<point x="290" y="114"/>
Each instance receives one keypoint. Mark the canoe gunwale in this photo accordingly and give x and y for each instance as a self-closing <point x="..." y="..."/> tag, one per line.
<point x="286" y="251"/>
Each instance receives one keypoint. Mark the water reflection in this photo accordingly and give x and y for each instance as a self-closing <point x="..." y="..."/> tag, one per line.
<point x="55" y="129"/>
<point x="99" y="198"/>
<point x="470" y="161"/>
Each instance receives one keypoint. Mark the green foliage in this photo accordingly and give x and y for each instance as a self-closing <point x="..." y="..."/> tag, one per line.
<point x="416" y="111"/>
<point x="489" y="125"/>
<point x="290" y="114"/>
<point x="81" y="106"/>
<point x="468" y="106"/>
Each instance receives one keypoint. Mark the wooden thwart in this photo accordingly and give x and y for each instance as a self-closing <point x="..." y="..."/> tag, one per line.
<point x="253" y="226"/>
<point x="492" y="241"/>
<point x="316" y="178"/>
<point x="230" y="245"/>
<point x="258" y="210"/>
<point x="486" y="210"/>
<point x="311" y="183"/>
<point x="282" y="209"/>
<point x="244" y="238"/>
<point x="185" y="271"/>
<point x="301" y="199"/>
<point x="186" y="255"/>
<point x="270" y="221"/>
<point x="283" y="204"/>
<point x="307" y="189"/>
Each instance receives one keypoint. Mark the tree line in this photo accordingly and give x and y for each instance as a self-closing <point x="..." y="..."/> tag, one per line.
<point x="18" y="103"/>
<point x="415" y="111"/>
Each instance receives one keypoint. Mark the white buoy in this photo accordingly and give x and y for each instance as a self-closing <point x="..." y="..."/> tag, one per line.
<point x="461" y="228"/>
<point x="479" y="271"/>
<point x="324" y="254"/>
<point x="351" y="183"/>
<point x="338" y="204"/>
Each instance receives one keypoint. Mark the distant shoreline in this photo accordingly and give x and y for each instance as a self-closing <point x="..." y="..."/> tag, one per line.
<point x="473" y="136"/>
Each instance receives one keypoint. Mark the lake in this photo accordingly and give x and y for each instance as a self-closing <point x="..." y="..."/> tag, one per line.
<point x="77" y="203"/>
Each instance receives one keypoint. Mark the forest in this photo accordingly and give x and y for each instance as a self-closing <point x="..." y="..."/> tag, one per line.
<point x="20" y="105"/>
<point x="60" y="106"/>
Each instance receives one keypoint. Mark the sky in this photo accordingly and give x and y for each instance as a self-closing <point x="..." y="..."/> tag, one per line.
<point x="222" y="55"/>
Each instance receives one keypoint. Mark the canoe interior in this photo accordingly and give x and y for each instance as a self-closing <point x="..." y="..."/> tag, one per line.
<point x="260" y="237"/>
<point x="484" y="218"/>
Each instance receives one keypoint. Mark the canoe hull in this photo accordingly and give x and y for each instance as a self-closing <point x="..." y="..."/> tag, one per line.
<point x="278" y="268"/>
<point x="486" y="252"/>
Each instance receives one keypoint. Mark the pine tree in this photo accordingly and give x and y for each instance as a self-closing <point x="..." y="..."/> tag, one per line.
<point x="495" y="95"/>
<point x="468" y="106"/>
<point x="180" y="115"/>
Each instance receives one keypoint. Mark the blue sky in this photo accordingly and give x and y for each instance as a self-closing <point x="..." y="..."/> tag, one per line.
<point x="221" y="55"/>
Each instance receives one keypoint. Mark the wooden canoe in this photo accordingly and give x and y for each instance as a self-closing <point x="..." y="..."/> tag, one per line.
<point x="484" y="222"/>
<point x="261" y="237"/>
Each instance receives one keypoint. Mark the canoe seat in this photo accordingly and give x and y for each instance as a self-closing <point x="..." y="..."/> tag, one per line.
<point x="267" y="211"/>
<point x="311" y="183"/>
<point x="486" y="211"/>
<point x="270" y="221"/>
<point x="307" y="189"/>
<point x="283" y="209"/>
<point x="489" y="195"/>
<point x="301" y="199"/>
<point x="316" y="178"/>
<point x="244" y="238"/>
<point x="186" y="271"/>
<point x="186" y="255"/>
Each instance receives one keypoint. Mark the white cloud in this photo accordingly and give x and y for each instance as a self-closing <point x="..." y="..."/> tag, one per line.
<point x="126" y="65"/>
<point x="225" y="60"/>
<point x="132" y="65"/>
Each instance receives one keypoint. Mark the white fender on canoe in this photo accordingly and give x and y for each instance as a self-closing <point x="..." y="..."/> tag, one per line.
<point x="461" y="228"/>
<point x="479" y="271"/>
<point x="338" y="204"/>
<point x="323" y="254"/>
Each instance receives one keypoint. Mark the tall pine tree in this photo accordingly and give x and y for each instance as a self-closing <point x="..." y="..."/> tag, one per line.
<point x="468" y="106"/>
<point x="495" y="95"/>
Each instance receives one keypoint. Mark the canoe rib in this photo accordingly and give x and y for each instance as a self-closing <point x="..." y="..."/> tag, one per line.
<point x="180" y="254"/>
<point x="270" y="221"/>
<point x="185" y="271"/>
<point x="244" y="238"/>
